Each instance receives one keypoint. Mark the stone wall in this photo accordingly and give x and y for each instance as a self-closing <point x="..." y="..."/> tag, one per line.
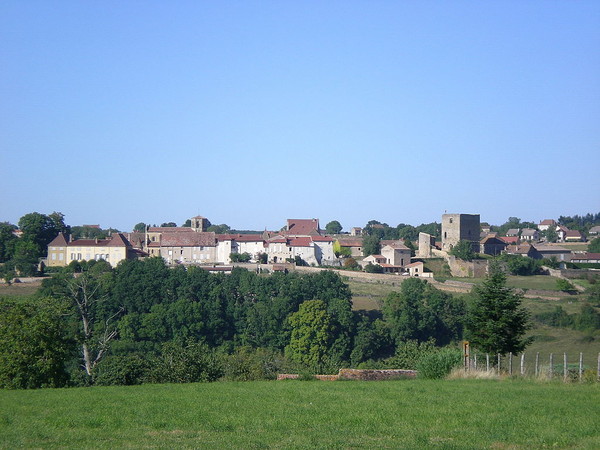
<point x="357" y="374"/>
<point x="459" y="268"/>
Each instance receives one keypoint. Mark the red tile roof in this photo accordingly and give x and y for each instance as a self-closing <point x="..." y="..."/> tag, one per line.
<point x="351" y="242"/>
<point x="117" y="240"/>
<point x="205" y="239"/>
<point x="302" y="227"/>
<point x="300" y="242"/>
<point x="170" y="230"/>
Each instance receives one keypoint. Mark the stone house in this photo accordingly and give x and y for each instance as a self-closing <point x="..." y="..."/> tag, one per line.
<point x="529" y="234"/>
<point x="62" y="250"/>
<point x="492" y="245"/>
<point x="544" y="225"/>
<point x="396" y="253"/>
<point x="185" y="247"/>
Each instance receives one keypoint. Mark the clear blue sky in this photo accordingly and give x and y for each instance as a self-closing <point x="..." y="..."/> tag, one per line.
<point x="250" y="113"/>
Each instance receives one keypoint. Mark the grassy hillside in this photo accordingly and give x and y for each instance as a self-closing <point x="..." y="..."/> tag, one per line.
<point x="296" y="414"/>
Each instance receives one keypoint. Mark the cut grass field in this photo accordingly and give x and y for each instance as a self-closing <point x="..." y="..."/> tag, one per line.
<point x="294" y="414"/>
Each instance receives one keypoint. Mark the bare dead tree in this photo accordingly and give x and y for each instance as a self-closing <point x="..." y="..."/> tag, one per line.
<point x="85" y="292"/>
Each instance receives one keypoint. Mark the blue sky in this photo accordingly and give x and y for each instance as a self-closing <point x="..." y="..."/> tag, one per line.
<point x="250" y="113"/>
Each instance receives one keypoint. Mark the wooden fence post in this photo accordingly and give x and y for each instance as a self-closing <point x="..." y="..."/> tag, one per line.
<point x="522" y="364"/>
<point x="551" y="365"/>
<point x="510" y="363"/>
<point x="475" y="361"/>
<point x="487" y="362"/>
<point x="580" y="366"/>
<point x="565" y="370"/>
<point x="537" y="364"/>
<point x="498" y="363"/>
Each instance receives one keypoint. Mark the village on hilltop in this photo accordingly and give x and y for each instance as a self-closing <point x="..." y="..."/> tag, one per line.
<point x="303" y="242"/>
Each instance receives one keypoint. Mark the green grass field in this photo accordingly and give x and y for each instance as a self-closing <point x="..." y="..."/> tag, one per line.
<point x="295" y="414"/>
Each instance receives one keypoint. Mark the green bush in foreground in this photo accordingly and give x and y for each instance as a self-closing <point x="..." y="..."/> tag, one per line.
<point x="436" y="365"/>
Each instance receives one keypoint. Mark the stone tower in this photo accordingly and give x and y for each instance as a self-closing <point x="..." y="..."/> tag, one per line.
<point x="460" y="227"/>
<point x="199" y="223"/>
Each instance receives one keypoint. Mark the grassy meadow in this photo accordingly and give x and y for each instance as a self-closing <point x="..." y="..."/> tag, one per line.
<point x="307" y="414"/>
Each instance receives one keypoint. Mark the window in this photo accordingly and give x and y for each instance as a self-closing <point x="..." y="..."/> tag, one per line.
<point x="60" y="256"/>
<point x="53" y="256"/>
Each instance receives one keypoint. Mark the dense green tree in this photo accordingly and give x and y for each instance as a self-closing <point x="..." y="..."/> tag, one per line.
<point x="340" y="251"/>
<point x="187" y="223"/>
<point x="421" y="312"/>
<point x="311" y="334"/>
<point x="219" y="229"/>
<point x="240" y="257"/>
<point x="168" y="225"/>
<point x="373" y="268"/>
<point x="58" y="219"/>
<point x="139" y="227"/>
<point x="33" y="345"/>
<point x="39" y="229"/>
<point x="371" y="245"/>
<point x="497" y="322"/>
<point x="520" y="265"/>
<point x="551" y="234"/>
<point x="463" y="250"/>
<point x="88" y="232"/>
<point x="594" y="245"/>
<point x="7" y="241"/>
<point x="333" y="227"/>
<point x="25" y="258"/>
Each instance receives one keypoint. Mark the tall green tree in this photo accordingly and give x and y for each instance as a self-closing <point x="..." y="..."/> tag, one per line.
<point x="333" y="227"/>
<point x="39" y="229"/>
<point x="33" y="344"/>
<point x="7" y="241"/>
<point x="421" y="312"/>
<point x="463" y="250"/>
<point x="139" y="227"/>
<point x="311" y="334"/>
<point x="497" y="322"/>
<point x="371" y="245"/>
<point x="594" y="246"/>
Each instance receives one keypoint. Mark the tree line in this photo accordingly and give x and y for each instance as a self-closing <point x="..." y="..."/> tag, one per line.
<point x="133" y="322"/>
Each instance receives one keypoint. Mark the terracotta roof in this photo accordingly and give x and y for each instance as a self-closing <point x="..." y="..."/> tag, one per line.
<point x="321" y="238"/>
<point x="585" y="256"/>
<point x="509" y="239"/>
<point x="302" y="227"/>
<point x="415" y="264"/>
<point x="528" y="232"/>
<point x="170" y="230"/>
<point x="548" y="222"/>
<point x="551" y="248"/>
<point x="205" y="239"/>
<point x="117" y="240"/>
<point x="350" y="242"/>
<point x="573" y="233"/>
<point x="394" y="244"/>
<point x="300" y="242"/>
<point x="493" y="239"/>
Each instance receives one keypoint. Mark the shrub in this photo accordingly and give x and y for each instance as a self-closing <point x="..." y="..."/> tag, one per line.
<point x="188" y="363"/>
<point x="121" y="370"/>
<point x="373" y="268"/>
<point x="437" y="365"/>
<point x="564" y="285"/>
<point x="247" y="364"/>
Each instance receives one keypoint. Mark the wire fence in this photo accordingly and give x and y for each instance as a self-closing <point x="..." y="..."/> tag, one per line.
<point x="555" y="366"/>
